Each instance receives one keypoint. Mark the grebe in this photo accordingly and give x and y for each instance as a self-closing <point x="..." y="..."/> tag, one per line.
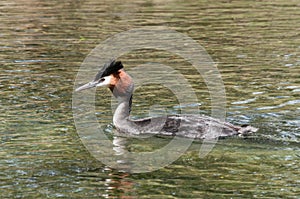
<point x="113" y="76"/>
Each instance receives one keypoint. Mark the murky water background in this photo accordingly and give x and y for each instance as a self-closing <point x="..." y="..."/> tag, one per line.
<point x="255" y="44"/>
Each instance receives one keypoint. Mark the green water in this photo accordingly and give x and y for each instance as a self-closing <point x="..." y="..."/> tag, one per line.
<point x="255" y="45"/>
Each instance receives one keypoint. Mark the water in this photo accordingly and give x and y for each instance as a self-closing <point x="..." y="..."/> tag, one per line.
<point x="255" y="45"/>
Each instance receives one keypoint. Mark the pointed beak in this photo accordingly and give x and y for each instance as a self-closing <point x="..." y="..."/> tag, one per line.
<point x="86" y="86"/>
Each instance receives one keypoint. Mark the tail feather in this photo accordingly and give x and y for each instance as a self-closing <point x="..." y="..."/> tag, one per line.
<point x="245" y="130"/>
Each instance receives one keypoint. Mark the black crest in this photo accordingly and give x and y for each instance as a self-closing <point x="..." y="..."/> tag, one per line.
<point x="109" y="68"/>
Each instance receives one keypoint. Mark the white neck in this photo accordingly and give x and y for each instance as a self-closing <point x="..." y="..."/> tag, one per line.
<point x="121" y="112"/>
<point x="121" y="116"/>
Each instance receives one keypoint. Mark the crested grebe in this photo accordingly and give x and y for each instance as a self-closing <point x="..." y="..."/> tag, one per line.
<point x="113" y="76"/>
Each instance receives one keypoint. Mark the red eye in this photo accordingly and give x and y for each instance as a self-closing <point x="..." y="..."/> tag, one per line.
<point x="101" y="80"/>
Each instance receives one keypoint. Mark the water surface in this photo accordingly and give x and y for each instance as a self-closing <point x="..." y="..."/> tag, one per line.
<point x="255" y="45"/>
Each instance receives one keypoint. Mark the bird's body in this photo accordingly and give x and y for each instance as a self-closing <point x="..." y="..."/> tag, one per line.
<point x="188" y="126"/>
<point x="121" y="85"/>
